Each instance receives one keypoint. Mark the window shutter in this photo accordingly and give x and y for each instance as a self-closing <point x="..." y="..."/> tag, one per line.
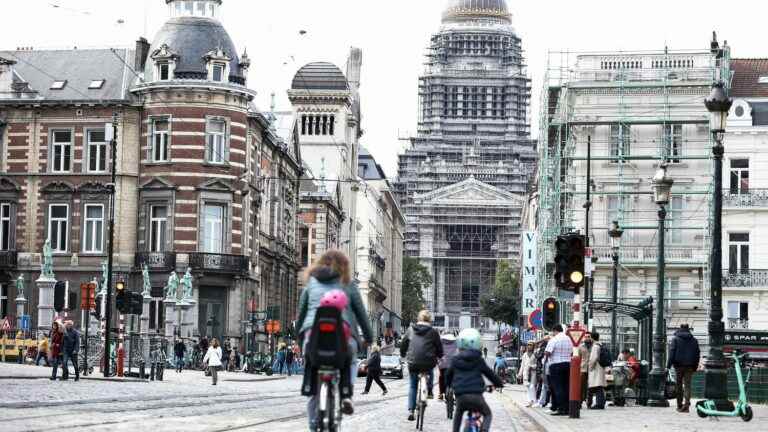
<point x="226" y="142"/>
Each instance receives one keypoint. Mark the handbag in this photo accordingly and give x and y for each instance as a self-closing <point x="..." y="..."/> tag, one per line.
<point x="670" y="388"/>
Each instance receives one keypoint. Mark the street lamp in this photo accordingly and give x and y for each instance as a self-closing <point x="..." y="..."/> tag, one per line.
<point x="662" y="188"/>
<point x="615" y="234"/>
<point x="715" y="376"/>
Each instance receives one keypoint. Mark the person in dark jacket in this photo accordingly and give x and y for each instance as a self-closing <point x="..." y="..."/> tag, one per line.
<point x="422" y="348"/>
<point x="178" y="351"/>
<point x="70" y="347"/>
<point x="374" y="371"/>
<point x="684" y="355"/>
<point x="465" y="376"/>
<point x="57" y="338"/>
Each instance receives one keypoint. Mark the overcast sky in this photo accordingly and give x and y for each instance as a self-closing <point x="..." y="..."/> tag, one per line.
<point x="393" y="35"/>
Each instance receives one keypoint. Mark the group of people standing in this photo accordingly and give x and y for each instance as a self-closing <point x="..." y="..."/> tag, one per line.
<point x="545" y="369"/>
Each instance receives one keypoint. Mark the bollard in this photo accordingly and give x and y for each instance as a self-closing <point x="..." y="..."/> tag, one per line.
<point x="120" y="360"/>
<point x="574" y="400"/>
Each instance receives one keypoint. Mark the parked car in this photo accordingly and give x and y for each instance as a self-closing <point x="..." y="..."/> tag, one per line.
<point x="392" y="365"/>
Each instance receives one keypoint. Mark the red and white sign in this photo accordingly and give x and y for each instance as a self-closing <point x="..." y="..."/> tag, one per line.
<point x="6" y="325"/>
<point x="576" y="334"/>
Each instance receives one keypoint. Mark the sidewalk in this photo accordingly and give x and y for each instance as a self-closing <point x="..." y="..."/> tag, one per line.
<point x="637" y="418"/>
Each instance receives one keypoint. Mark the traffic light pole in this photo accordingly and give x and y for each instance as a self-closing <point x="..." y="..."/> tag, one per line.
<point x="110" y="250"/>
<point x="587" y="206"/>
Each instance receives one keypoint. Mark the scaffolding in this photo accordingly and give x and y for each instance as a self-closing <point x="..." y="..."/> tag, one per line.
<point x="636" y="110"/>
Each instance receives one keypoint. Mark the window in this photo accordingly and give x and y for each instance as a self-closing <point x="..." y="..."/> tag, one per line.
<point x="61" y="155"/>
<point x="738" y="315"/>
<point x="160" y="136"/>
<point x="5" y="227"/>
<point x="620" y="140"/>
<point x="673" y="142"/>
<point x="164" y="71"/>
<point x="738" y="253"/>
<point x="318" y="125"/>
<point x="157" y="310"/>
<point x="96" y="84"/>
<point x="218" y="72"/>
<point x="674" y="227"/>
<point x="3" y="301"/>
<point x="304" y="239"/>
<point x="59" y="85"/>
<point x="213" y="228"/>
<point x="672" y="292"/>
<point x="58" y="221"/>
<point x="615" y="205"/>
<point x="739" y="176"/>
<point x="93" y="236"/>
<point x="158" y="225"/>
<point x="216" y="150"/>
<point x="97" y="151"/>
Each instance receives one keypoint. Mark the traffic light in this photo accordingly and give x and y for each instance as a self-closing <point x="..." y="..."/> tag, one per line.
<point x="121" y="298"/>
<point x="569" y="262"/>
<point x="550" y="313"/>
<point x="137" y="304"/>
<point x="59" y="296"/>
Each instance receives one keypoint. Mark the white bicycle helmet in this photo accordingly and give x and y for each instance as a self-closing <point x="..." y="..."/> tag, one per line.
<point x="469" y="339"/>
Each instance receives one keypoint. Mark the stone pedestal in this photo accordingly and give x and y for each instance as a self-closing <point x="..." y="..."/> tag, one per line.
<point x="170" y="305"/>
<point x="45" y="313"/>
<point x="21" y="308"/>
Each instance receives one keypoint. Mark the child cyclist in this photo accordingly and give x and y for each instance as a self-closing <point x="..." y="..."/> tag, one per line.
<point x="465" y="376"/>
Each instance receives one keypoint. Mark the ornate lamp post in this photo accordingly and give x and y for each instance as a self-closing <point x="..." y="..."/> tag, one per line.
<point x="662" y="188"/>
<point x="715" y="379"/>
<point x="615" y="234"/>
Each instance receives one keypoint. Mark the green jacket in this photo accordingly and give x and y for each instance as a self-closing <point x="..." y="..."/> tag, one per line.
<point x="326" y="280"/>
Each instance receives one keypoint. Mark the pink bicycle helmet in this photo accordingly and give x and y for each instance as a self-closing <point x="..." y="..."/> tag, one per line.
<point x="335" y="298"/>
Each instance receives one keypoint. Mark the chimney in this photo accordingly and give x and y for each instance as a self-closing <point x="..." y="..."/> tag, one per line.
<point x="354" y="64"/>
<point x="142" y="52"/>
<point x="6" y="74"/>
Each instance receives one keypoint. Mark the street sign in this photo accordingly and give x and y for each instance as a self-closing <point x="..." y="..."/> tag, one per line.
<point x="24" y="322"/>
<point x="576" y="334"/>
<point x="527" y="336"/>
<point x="588" y="262"/>
<point x="534" y="319"/>
<point x="746" y="338"/>
<point x="6" y="325"/>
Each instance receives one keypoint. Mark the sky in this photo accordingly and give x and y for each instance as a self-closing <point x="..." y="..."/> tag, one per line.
<point x="393" y="35"/>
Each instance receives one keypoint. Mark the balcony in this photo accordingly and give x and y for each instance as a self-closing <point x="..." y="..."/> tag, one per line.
<point x="647" y="255"/>
<point x="738" y="323"/>
<point x="753" y="198"/>
<point x="746" y="278"/>
<point x="219" y="263"/>
<point x="9" y="259"/>
<point x="156" y="261"/>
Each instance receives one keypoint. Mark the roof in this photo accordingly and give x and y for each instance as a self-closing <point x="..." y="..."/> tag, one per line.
<point x="462" y="10"/>
<point x="367" y="168"/>
<point x="746" y="76"/>
<point x="78" y="67"/>
<point x="320" y="76"/>
<point x="191" y="38"/>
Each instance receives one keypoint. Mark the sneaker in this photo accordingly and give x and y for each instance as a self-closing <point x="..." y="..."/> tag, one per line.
<point x="347" y="407"/>
<point x="364" y="393"/>
<point x="440" y="396"/>
<point x="384" y="393"/>
<point x="430" y="395"/>
<point x="411" y="417"/>
<point x="685" y="409"/>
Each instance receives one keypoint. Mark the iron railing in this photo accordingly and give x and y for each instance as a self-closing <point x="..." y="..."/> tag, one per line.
<point x="220" y="263"/>
<point x="156" y="261"/>
<point x="9" y="259"/>
<point x="642" y="254"/>
<point x="738" y="323"/>
<point x="746" y="199"/>
<point x="746" y="278"/>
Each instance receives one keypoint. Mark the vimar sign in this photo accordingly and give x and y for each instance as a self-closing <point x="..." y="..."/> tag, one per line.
<point x="530" y="274"/>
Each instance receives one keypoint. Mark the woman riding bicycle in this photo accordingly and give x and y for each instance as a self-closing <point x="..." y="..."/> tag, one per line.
<point x="465" y="376"/>
<point x="332" y="272"/>
<point x="449" y="352"/>
<point x="422" y="348"/>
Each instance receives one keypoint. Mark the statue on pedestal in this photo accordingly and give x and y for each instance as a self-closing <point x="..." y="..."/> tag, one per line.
<point x="20" y="288"/>
<point x="46" y="266"/>
<point x="146" y="283"/>
<point x="186" y="283"/>
<point x="171" y="288"/>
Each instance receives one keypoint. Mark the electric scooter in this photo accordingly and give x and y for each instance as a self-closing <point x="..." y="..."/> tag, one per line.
<point x="742" y="409"/>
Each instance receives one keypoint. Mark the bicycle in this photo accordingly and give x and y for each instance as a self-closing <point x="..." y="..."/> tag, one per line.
<point x="474" y="420"/>
<point x="328" y="407"/>
<point x="328" y="356"/>
<point x="421" y="400"/>
<point x="450" y="402"/>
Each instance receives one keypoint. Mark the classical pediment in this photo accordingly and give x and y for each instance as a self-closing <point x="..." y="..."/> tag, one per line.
<point x="93" y="188"/>
<point x="157" y="183"/>
<point x="216" y="185"/>
<point x="8" y="185"/>
<point x="58" y="187"/>
<point x="470" y="192"/>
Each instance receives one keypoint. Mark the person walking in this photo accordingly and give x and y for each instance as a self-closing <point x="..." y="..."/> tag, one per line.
<point x="584" y="351"/>
<point x="374" y="371"/>
<point x="225" y="356"/>
<point x="558" y="353"/>
<point x="448" y="340"/>
<point x="213" y="359"/>
<point x="596" y="379"/>
<point x="422" y="348"/>
<point x="280" y="359"/>
<point x="289" y="360"/>
<point x="42" y="351"/>
<point x="527" y="373"/>
<point x="485" y="352"/>
<point x="178" y="352"/>
<point x="684" y="356"/>
<point x="57" y="338"/>
<point x="542" y="370"/>
<point x="70" y="348"/>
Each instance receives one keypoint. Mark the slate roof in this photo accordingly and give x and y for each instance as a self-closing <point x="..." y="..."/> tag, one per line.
<point x="746" y="76"/>
<point x="367" y="167"/>
<point x="320" y="76"/>
<point x="40" y="68"/>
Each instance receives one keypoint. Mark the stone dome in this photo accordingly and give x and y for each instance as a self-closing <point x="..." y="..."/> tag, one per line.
<point x="190" y="39"/>
<point x="320" y="76"/>
<point x="462" y="10"/>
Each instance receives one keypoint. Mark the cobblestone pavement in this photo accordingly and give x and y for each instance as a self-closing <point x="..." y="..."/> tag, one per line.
<point x="636" y="418"/>
<point x="189" y="402"/>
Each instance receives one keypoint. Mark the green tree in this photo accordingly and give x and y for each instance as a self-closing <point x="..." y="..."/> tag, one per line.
<point x="501" y="304"/>
<point x="416" y="278"/>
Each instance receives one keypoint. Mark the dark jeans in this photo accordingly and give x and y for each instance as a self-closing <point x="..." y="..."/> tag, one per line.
<point x="65" y="369"/>
<point x="584" y="386"/>
<point x="684" y="375"/>
<point x="370" y="378"/>
<point x="471" y="402"/>
<point x="55" y="362"/>
<point x="559" y="386"/>
<point x="414" y="386"/>
<point x="42" y="356"/>
<point x="441" y="381"/>
<point x="179" y="363"/>
<point x="289" y="366"/>
<point x="599" y="393"/>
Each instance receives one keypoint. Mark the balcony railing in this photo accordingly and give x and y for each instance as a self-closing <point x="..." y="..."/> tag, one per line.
<point x="219" y="263"/>
<point x="746" y="199"/>
<point x="156" y="261"/>
<point x="746" y="278"/>
<point x="647" y="255"/>
<point x="738" y="323"/>
<point x="9" y="259"/>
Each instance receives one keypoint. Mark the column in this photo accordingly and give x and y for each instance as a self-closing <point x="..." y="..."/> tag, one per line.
<point x="45" y="286"/>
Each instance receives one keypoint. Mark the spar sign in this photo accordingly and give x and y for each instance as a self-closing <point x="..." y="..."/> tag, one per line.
<point x="530" y="287"/>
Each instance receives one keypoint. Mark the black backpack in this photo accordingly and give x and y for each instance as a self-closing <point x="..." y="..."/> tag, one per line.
<point x="604" y="360"/>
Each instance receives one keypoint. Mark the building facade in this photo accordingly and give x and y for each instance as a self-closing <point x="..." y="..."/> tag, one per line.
<point x="462" y="181"/>
<point x="745" y="200"/>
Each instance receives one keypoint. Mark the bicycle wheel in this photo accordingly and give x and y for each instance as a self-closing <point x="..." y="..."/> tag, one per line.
<point x="322" y="408"/>
<point x="420" y="420"/>
<point x="419" y="408"/>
